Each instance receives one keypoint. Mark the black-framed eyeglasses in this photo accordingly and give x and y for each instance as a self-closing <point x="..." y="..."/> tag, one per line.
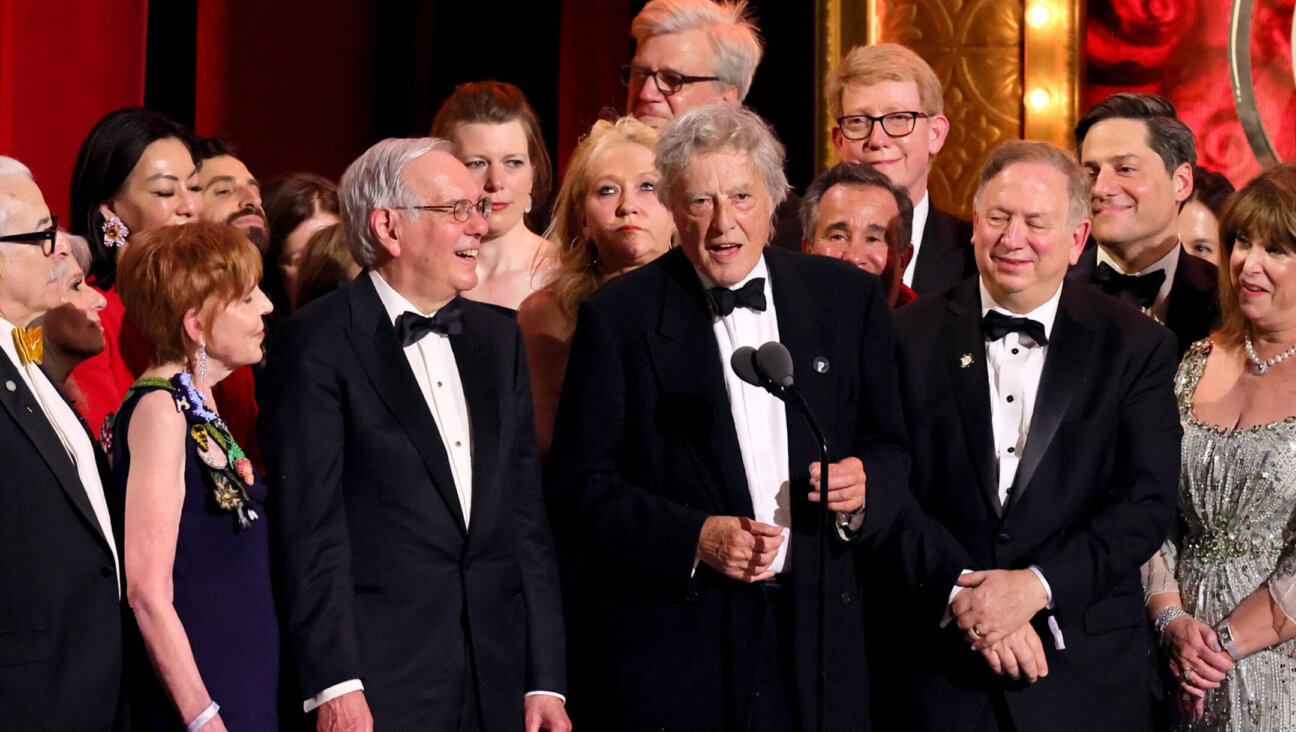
<point x="44" y="238"/>
<point x="895" y="124"/>
<point x="461" y="209"/>
<point x="668" y="81"/>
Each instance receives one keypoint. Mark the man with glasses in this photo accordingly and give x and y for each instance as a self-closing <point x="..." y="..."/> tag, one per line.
<point x="689" y="53"/>
<point x="887" y="104"/>
<point x="60" y="574"/>
<point x="420" y="585"/>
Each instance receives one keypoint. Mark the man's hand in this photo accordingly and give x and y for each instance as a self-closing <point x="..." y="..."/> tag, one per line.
<point x="739" y="547"/>
<point x="1019" y="653"/>
<point x="995" y="603"/>
<point x="846" y="484"/>
<point x="545" y="711"/>
<point x="346" y="713"/>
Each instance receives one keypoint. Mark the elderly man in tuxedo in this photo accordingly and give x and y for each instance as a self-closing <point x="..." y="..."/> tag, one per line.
<point x="1045" y="446"/>
<point x="60" y="572"/>
<point x="682" y="495"/>
<point x="420" y="587"/>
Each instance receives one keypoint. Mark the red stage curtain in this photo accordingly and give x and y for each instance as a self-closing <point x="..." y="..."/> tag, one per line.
<point x="63" y="65"/>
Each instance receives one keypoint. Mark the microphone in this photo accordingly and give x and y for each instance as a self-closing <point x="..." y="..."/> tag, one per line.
<point x="769" y="367"/>
<point x="743" y="363"/>
<point x="774" y="361"/>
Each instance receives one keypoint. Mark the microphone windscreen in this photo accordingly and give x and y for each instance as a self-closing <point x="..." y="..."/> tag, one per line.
<point x="743" y="362"/>
<point x="775" y="362"/>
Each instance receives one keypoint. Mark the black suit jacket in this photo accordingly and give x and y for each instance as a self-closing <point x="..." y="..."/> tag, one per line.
<point x="1192" y="307"/>
<point x="60" y="614"/>
<point x="946" y="255"/>
<point x="1092" y="500"/>
<point x="645" y="450"/>
<point x="382" y="581"/>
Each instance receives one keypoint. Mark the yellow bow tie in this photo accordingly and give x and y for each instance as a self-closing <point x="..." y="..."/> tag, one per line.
<point x="30" y="343"/>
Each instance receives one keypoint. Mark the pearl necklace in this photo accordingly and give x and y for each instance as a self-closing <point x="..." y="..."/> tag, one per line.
<point x="1263" y="366"/>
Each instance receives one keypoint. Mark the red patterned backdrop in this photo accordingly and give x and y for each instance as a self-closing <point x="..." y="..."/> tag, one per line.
<point x="1180" y="49"/>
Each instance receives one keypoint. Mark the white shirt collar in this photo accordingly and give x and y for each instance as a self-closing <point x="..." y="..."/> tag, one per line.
<point x="920" y="212"/>
<point x="393" y="302"/>
<point x="1168" y="263"/>
<point x="1045" y="314"/>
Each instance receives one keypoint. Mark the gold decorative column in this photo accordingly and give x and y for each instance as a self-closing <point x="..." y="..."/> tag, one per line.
<point x="988" y="58"/>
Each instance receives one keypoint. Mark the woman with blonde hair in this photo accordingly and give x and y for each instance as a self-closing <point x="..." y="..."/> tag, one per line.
<point x="607" y="221"/>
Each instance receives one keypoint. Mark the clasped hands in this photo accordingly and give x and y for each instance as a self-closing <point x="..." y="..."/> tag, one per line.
<point x="1195" y="662"/>
<point x="743" y="549"/>
<point x="993" y="610"/>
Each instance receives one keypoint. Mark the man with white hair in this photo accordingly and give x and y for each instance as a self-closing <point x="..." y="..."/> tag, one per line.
<point x="683" y="494"/>
<point x="689" y="53"/>
<point x="60" y="574"/>
<point x="420" y="586"/>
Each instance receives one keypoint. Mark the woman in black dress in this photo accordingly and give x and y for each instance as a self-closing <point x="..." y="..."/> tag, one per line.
<point x="196" y="545"/>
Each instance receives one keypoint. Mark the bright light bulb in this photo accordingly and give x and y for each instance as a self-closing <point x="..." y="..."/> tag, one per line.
<point x="1039" y="98"/>
<point x="1038" y="15"/>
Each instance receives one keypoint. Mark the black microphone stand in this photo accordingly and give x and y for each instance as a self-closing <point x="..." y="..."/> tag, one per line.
<point x="827" y="524"/>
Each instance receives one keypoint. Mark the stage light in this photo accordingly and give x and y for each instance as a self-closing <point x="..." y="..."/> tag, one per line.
<point x="1038" y="15"/>
<point x="1039" y="98"/>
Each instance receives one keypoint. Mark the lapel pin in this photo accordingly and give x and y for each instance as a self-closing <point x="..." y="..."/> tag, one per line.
<point x="821" y="364"/>
<point x="966" y="360"/>
<point x="11" y="386"/>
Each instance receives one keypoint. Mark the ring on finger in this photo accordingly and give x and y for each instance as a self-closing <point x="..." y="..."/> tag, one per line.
<point x="977" y="632"/>
<point x="1187" y="673"/>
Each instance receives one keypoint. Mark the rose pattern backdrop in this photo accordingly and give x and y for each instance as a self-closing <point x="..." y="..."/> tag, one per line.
<point x="1179" y="49"/>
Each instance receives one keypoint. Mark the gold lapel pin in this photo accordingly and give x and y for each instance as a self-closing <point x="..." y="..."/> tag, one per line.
<point x="966" y="360"/>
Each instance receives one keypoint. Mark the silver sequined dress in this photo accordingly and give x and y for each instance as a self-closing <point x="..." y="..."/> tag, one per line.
<point x="1237" y="495"/>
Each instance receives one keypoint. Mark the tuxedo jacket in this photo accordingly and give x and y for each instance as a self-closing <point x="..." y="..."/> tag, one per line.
<point x="645" y="450"/>
<point x="1192" y="308"/>
<point x="1092" y="500"/>
<point x="60" y="612"/>
<point x="382" y="579"/>
<point x="946" y="255"/>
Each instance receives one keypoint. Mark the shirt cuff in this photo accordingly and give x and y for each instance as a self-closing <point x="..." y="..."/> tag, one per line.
<point x="949" y="615"/>
<point x="848" y="524"/>
<point x="548" y="693"/>
<point x="331" y="693"/>
<point x="1048" y="590"/>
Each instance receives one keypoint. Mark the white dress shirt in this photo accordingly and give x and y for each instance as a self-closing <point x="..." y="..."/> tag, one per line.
<point x="433" y="362"/>
<point x="760" y="419"/>
<point x="921" y="210"/>
<point x="1169" y="263"/>
<point x="1014" y="365"/>
<point x="75" y="441"/>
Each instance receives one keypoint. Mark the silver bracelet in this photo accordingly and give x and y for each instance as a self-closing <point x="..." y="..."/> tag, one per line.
<point x="1166" y="616"/>
<point x="206" y="716"/>
<point x="1225" y="633"/>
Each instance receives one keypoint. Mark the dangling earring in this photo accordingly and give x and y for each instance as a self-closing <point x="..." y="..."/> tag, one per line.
<point x="202" y="361"/>
<point x="594" y="260"/>
<point x="114" y="232"/>
<point x="528" y="206"/>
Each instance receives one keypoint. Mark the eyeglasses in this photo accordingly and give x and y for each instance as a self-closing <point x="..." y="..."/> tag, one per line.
<point x="668" y="81"/>
<point x="45" y="239"/>
<point x="895" y="124"/>
<point x="461" y="209"/>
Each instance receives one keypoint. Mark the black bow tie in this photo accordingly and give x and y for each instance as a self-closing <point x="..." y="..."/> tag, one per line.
<point x="750" y="295"/>
<point x="1142" y="289"/>
<point x="446" y="321"/>
<point x="996" y="325"/>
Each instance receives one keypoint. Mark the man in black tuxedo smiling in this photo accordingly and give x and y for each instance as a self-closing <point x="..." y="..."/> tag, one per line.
<point x="420" y="588"/>
<point x="1045" y="444"/>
